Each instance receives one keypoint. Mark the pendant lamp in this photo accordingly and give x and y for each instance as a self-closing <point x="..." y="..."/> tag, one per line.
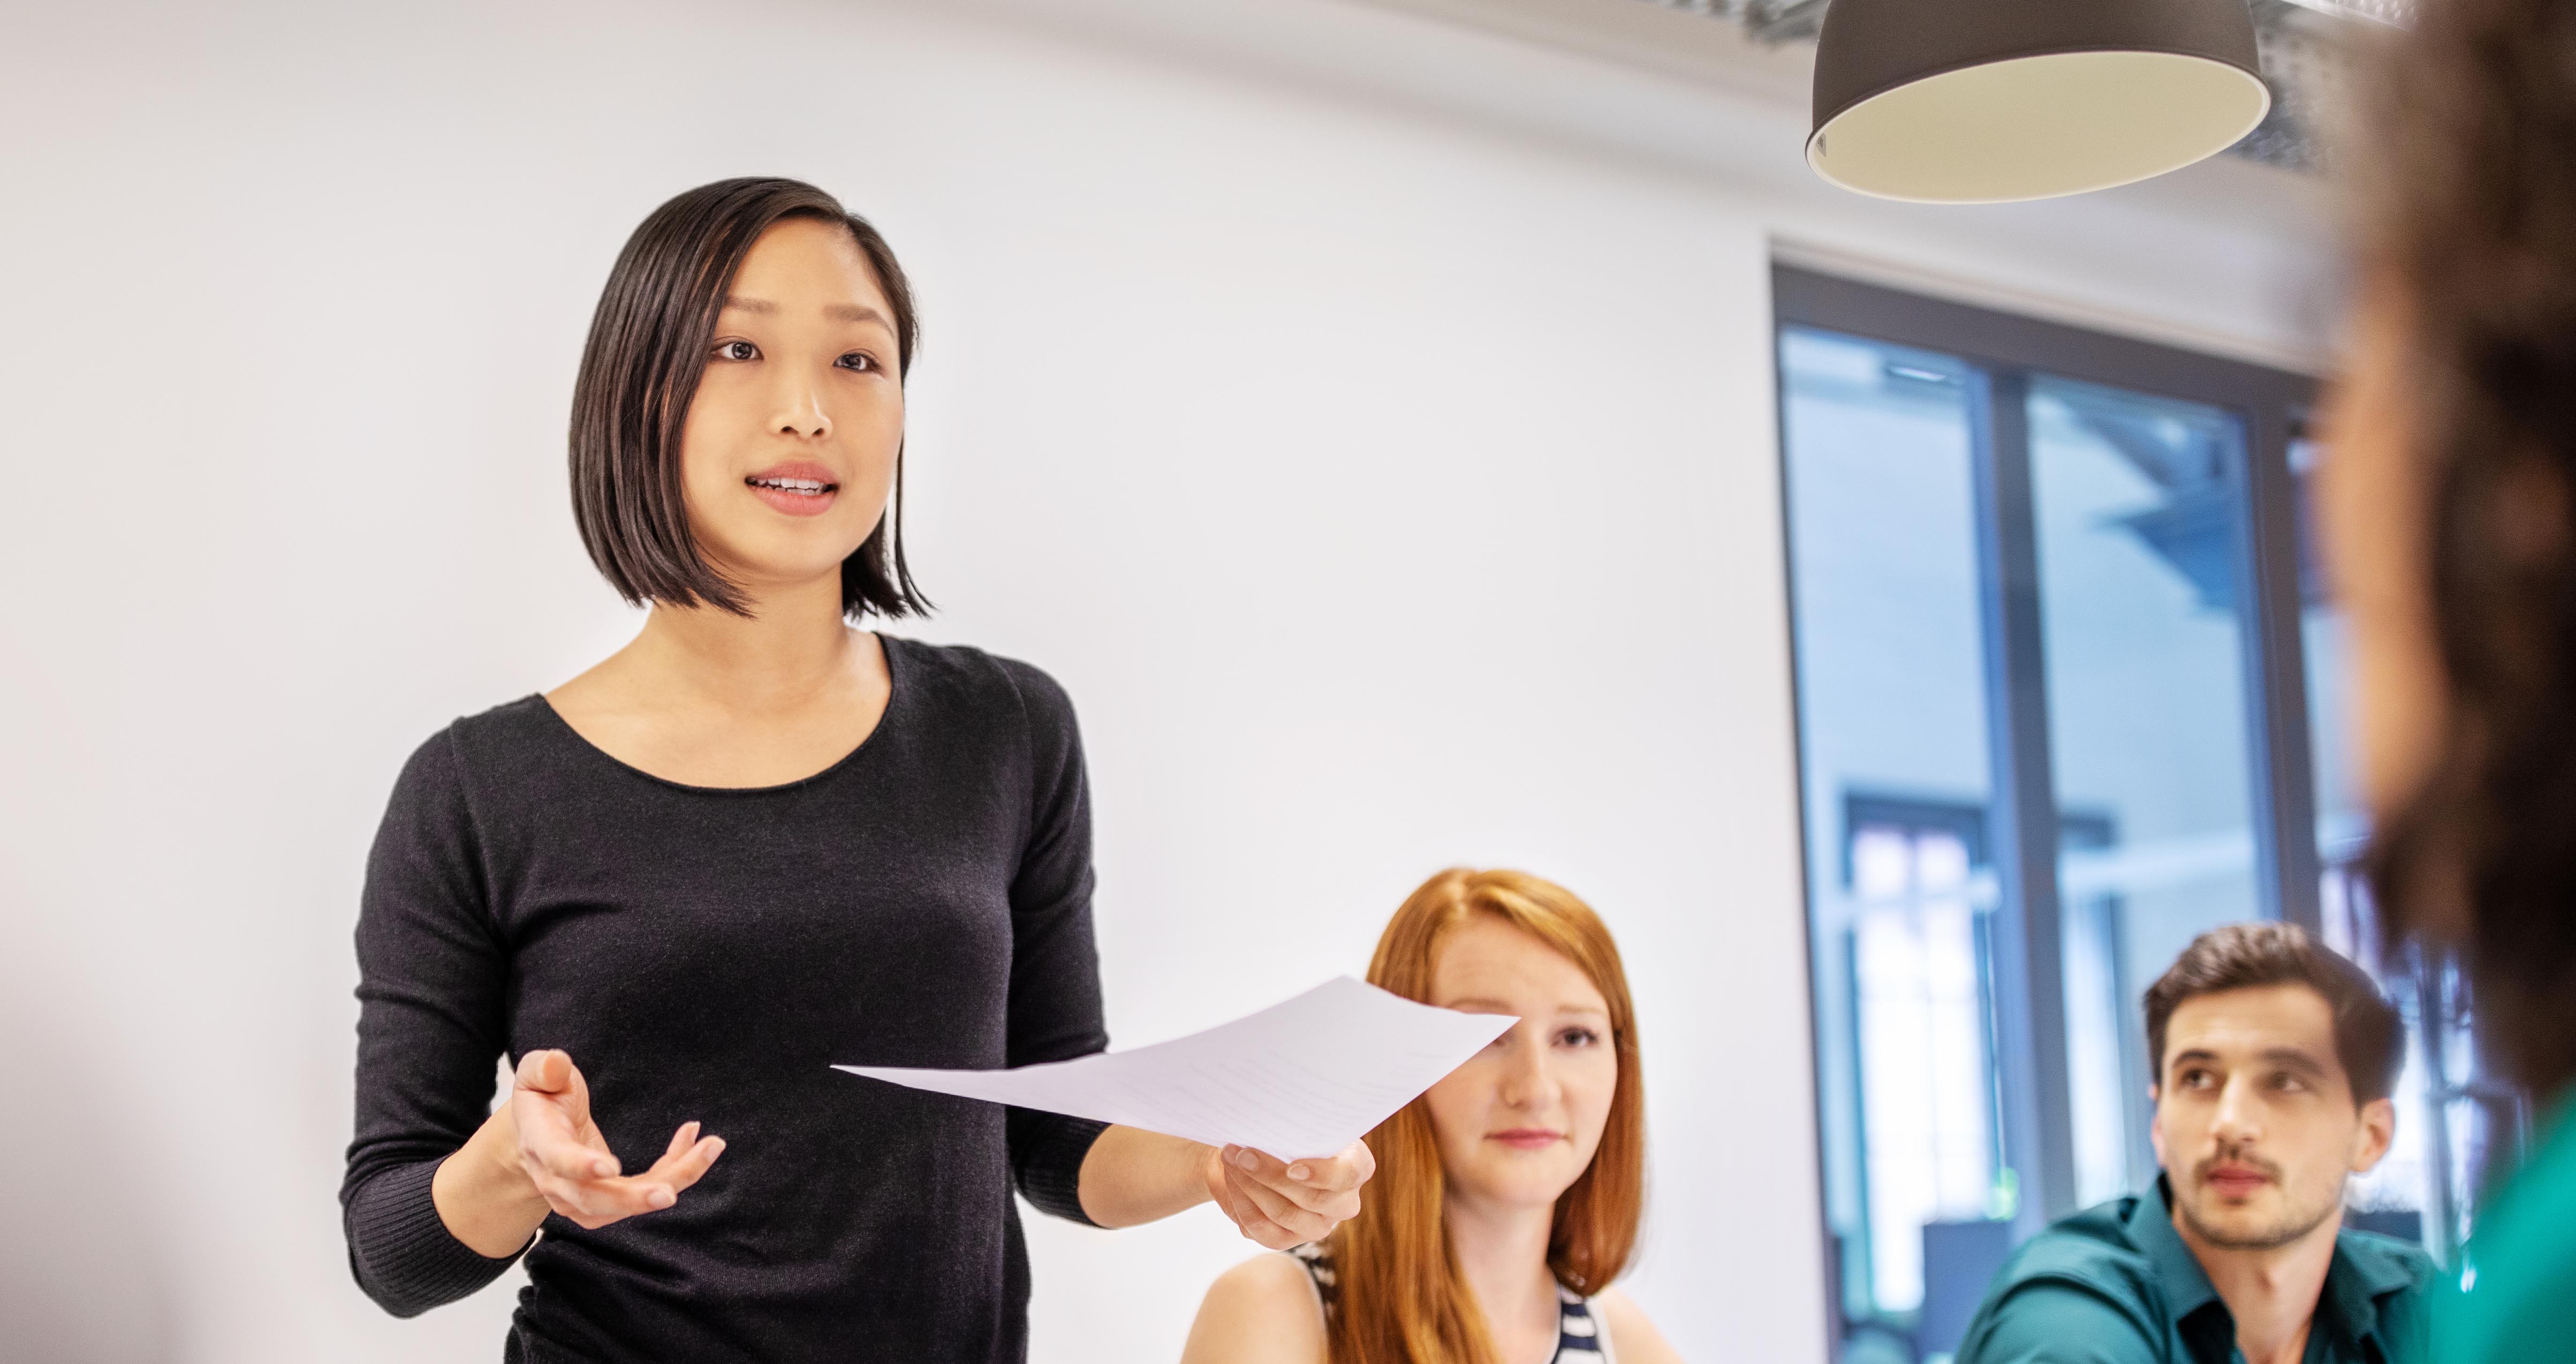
<point x="1990" y="101"/>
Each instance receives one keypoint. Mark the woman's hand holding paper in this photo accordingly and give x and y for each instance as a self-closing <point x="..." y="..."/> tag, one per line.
<point x="1281" y="1204"/>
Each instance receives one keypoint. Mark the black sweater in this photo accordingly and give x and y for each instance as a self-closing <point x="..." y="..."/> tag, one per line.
<point x="710" y="954"/>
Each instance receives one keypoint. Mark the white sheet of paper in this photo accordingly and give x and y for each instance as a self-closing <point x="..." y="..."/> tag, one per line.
<point x="1296" y="1080"/>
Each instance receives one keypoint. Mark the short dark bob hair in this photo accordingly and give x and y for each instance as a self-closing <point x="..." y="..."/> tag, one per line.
<point x="2370" y="1039"/>
<point x="648" y="348"/>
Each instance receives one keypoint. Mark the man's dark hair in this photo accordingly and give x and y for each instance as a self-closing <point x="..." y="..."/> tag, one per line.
<point x="2370" y="1039"/>
<point x="2468" y="241"/>
<point x="648" y="349"/>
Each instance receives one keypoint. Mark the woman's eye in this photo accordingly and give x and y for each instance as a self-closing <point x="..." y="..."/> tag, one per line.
<point x="737" y="350"/>
<point x="858" y="360"/>
<point x="1577" y="1037"/>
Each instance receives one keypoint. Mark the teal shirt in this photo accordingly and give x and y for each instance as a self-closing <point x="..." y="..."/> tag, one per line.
<point x="2116" y="1285"/>
<point x="2520" y="1303"/>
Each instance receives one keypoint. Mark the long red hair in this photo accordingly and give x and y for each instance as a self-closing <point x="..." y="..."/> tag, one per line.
<point x="1399" y="1295"/>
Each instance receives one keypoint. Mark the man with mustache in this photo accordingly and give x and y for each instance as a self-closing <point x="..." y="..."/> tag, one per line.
<point x="2274" y="1061"/>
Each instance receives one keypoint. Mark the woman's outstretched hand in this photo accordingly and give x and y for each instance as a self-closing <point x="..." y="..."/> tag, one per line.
<point x="570" y="1164"/>
<point x="1279" y="1204"/>
<point x="541" y="1153"/>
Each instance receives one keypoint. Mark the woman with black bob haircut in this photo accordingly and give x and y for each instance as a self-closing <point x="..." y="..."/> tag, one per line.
<point x="755" y="842"/>
<point x="2450" y="507"/>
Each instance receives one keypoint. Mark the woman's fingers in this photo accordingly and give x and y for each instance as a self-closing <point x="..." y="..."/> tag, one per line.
<point x="582" y="1203"/>
<point x="599" y="1202"/>
<point x="1269" y="1217"/>
<point x="546" y="1071"/>
<point x="551" y="1142"/>
<point x="551" y="1073"/>
<point x="1343" y="1173"/>
<point x="1242" y="1211"/>
<point x="570" y="1164"/>
<point x="688" y="1157"/>
<point x="1329" y="1187"/>
<point x="550" y="1104"/>
<point x="541" y="1071"/>
<point x="1285" y="1203"/>
<point x="595" y="1202"/>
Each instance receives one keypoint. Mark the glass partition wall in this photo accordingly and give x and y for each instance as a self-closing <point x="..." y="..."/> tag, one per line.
<point x="2055" y="613"/>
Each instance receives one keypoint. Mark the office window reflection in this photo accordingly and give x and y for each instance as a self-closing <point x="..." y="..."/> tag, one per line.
<point x="1891" y="692"/>
<point x="2142" y="630"/>
<point x="1922" y="1025"/>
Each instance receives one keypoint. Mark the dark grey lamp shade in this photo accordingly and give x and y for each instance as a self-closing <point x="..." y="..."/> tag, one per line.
<point x="1988" y="101"/>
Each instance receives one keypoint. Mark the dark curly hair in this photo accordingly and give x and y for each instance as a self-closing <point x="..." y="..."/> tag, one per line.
<point x="2468" y="240"/>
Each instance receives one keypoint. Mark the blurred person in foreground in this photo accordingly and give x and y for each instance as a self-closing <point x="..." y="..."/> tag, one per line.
<point x="1507" y="1197"/>
<point x="2274" y="1061"/>
<point x="2449" y="505"/>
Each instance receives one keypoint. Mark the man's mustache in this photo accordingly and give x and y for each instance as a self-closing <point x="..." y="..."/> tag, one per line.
<point x="2247" y="1159"/>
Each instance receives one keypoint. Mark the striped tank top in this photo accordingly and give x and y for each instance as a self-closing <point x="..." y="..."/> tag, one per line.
<point x="1579" y="1336"/>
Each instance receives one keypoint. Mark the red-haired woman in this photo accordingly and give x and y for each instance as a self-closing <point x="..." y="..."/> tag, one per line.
<point x="1506" y="1198"/>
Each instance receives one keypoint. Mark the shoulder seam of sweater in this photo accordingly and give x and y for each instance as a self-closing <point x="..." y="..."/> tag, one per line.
<point x="1028" y="754"/>
<point x="487" y="883"/>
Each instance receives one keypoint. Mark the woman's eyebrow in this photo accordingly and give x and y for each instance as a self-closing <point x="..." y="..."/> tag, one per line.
<point x="1501" y="1006"/>
<point x="838" y="312"/>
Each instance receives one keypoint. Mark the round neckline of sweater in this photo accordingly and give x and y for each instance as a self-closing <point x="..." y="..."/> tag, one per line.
<point x="894" y="697"/>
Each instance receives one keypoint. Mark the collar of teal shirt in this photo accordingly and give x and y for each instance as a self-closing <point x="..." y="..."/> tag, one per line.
<point x="2359" y="1276"/>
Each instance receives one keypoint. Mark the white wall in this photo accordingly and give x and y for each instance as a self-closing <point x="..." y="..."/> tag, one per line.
<point x="1368" y="419"/>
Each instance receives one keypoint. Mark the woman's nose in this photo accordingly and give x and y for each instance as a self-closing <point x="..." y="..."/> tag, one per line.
<point x="1528" y="1079"/>
<point x="801" y="413"/>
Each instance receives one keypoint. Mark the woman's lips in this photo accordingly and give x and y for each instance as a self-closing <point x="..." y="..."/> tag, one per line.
<point x="1526" y="1138"/>
<point x="798" y="487"/>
